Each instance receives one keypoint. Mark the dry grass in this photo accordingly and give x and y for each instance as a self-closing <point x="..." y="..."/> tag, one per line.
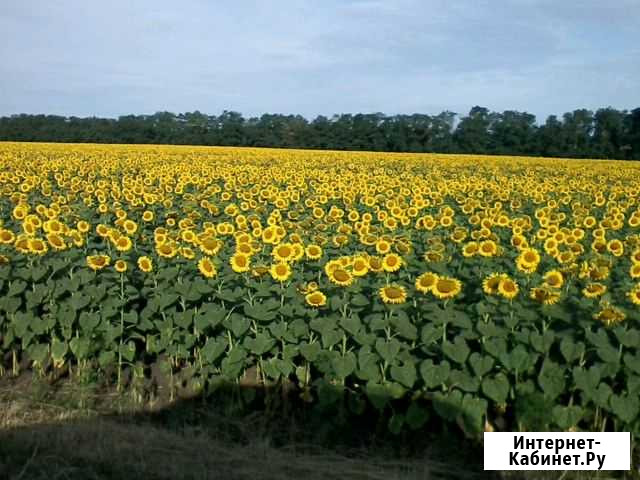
<point x="41" y="438"/>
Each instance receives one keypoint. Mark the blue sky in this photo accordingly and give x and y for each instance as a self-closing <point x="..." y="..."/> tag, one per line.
<point x="72" y="57"/>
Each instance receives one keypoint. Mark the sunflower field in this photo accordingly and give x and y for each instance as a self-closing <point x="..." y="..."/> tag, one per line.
<point x="489" y="293"/>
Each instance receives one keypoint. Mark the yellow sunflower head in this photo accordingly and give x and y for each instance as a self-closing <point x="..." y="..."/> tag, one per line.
<point x="447" y="287"/>
<point x="280" y="271"/>
<point x="207" y="268"/>
<point x="425" y="282"/>
<point x="316" y="299"/>
<point x="393" y="294"/>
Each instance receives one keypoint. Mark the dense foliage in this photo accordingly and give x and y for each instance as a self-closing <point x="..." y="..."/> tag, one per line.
<point x="490" y="292"/>
<point x="607" y="133"/>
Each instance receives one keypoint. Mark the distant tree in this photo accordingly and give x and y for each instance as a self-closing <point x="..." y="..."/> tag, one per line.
<point x="609" y="133"/>
<point x="473" y="134"/>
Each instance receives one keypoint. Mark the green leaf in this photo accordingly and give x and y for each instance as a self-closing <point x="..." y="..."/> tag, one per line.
<point x="344" y="365"/>
<point x="473" y="412"/>
<point x="378" y="395"/>
<point x="551" y="379"/>
<point x="481" y="365"/>
<point x="632" y="362"/>
<point x="567" y="417"/>
<point x="359" y="300"/>
<point x="89" y="321"/>
<point x="388" y="349"/>
<point x="80" y="347"/>
<point x="58" y="350"/>
<point x="209" y="316"/>
<point x="496" y="388"/>
<point x="213" y="348"/>
<point x="571" y="350"/>
<point x="587" y="380"/>
<point x="464" y="381"/>
<point x="542" y="343"/>
<point x="405" y="328"/>
<point x="458" y="351"/>
<point x="404" y="374"/>
<point x="351" y="324"/>
<point x="128" y="351"/>
<point x="395" y="423"/>
<point x="261" y="344"/>
<point x="416" y="416"/>
<point x="79" y="301"/>
<point x="310" y="351"/>
<point x="434" y="375"/>
<point x="259" y="312"/>
<point x="239" y="325"/>
<point x="16" y="288"/>
<point x="448" y="404"/>
<point x="496" y="346"/>
<point x="430" y="334"/>
<point x="626" y="407"/>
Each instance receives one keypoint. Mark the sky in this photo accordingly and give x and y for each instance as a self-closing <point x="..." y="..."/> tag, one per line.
<point x="317" y="57"/>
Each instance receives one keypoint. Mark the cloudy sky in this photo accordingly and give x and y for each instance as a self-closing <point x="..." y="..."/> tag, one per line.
<point x="79" y="57"/>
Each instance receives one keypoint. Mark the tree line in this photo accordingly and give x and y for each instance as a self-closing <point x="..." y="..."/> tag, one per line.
<point x="605" y="133"/>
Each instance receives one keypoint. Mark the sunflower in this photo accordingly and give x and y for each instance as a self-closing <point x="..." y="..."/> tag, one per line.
<point x="37" y="246"/>
<point x="298" y="252"/>
<point x="470" y="249"/>
<point x="425" y="282"/>
<point x="83" y="226"/>
<point x="313" y="252"/>
<point x="282" y="252"/>
<point x="316" y="299"/>
<point x="375" y="264"/>
<point x="433" y="256"/>
<point x="383" y="247"/>
<point x="634" y="294"/>
<point x="528" y="260"/>
<point x="7" y="237"/>
<point x="609" y="314"/>
<point x="22" y="243"/>
<point x="490" y="285"/>
<point x="488" y="248"/>
<point x="145" y="264"/>
<point x="634" y="270"/>
<point x="240" y="263"/>
<point x="360" y="266"/>
<point x="305" y="288"/>
<point x="393" y="294"/>
<point x="340" y="277"/>
<point x="554" y="279"/>
<point x="187" y="252"/>
<point x="206" y="267"/>
<point x="508" y="288"/>
<point x="130" y="226"/>
<point x="167" y="250"/>
<point x="446" y="288"/>
<point x="98" y="262"/>
<point x="76" y="237"/>
<point x="124" y="244"/>
<point x="147" y="216"/>
<point x="615" y="247"/>
<point x="120" y="266"/>
<point x="594" y="289"/>
<point x="391" y="262"/>
<point x="280" y="271"/>
<point x="102" y="230"/>
<point x="56" y="241"/>
<point x="210" y="245"/>
<point x="635" y="256"/>
<point x="545" y="295"/>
